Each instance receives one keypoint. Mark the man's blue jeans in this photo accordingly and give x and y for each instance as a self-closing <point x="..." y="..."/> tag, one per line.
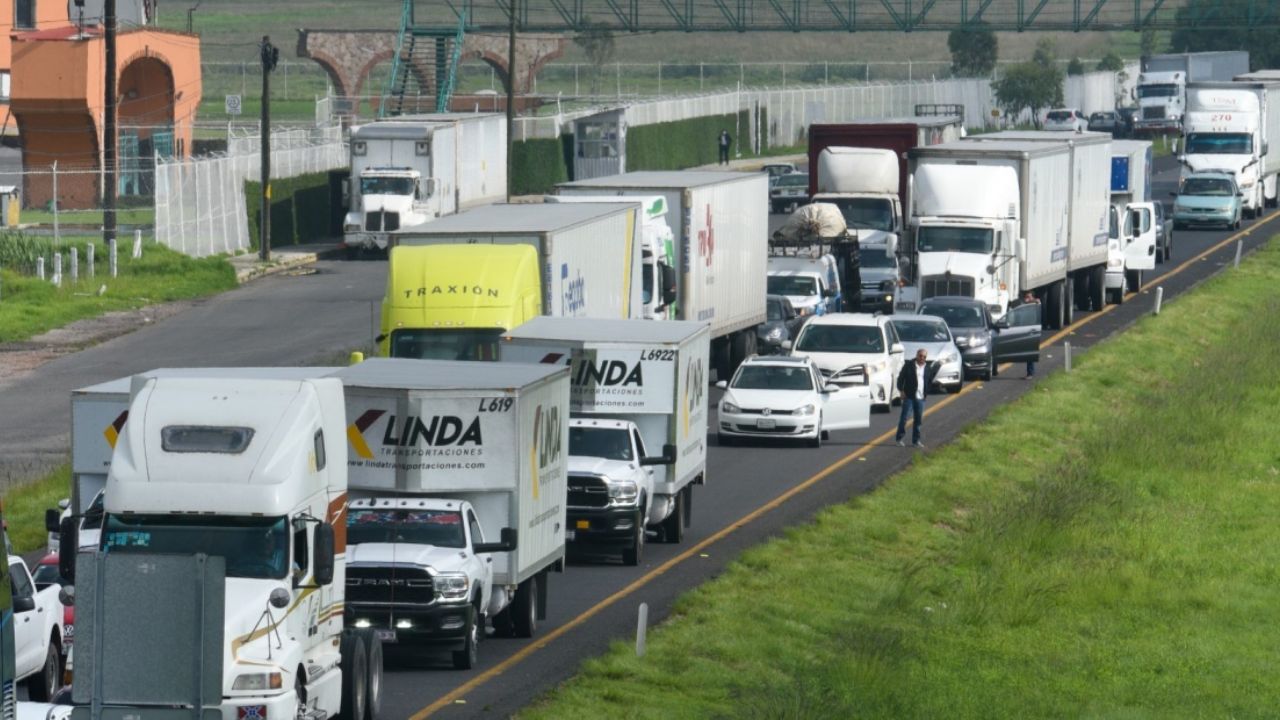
<point x="916" y="408"/>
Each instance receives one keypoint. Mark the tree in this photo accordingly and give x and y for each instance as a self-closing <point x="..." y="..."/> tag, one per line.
<point x="597" y="43"/>
<point x="1032" y="85"/>
<point x="1149" y="43"/>
<point x="1111" y="62"/>
<point x="973" y="52"/>
<point x="1263" y="43"/>
<point x="1075" y="67"/>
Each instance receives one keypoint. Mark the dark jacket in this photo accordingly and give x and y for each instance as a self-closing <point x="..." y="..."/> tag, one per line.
<point x="907" y="378"/>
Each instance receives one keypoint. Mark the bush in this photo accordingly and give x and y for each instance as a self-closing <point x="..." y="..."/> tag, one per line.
<point x="538" y="164"/>
<point x="300" y="209"/>
<point x="685" y="143"/>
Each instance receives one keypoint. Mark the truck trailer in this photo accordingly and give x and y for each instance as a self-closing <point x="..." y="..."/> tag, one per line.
<point x="1235" y="127"/>
<point x="1162" y="85"/>
<point x="1131" y="224"/>
<point x="722" y="239"/>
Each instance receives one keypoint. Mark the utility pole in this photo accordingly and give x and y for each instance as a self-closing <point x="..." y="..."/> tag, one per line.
<point x="511" y="92"/>
<point x="109" y="126"/>
<point x="270" y="56"/>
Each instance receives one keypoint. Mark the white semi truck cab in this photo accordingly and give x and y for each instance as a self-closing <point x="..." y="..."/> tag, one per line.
<point x="863" y="183"/>
<point x="1161" y="101"/>
<point x="1234" y="127"/>
<point x="389" y="198"/>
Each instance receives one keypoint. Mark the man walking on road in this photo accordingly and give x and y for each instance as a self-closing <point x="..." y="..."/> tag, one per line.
<point x="913" y="383"/>
<point x="725" y="141"/>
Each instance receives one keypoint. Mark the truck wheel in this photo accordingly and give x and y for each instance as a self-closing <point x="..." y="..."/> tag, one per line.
<point x="1080" y="290"/>
<point x="354" y="665"/>
<point x="739" y="349"/>
<point x="502" y="624"/>
<point x="1054" y="306"/>
<point x="42" y="685"/>
<point x="632" y="554"/>
<point x="524" y="612"/>
<point x="469" y="656"/>
<point x="720" y="358"/>
<point x="673" y="526"/>
<point x="373" y="681"/>
<point x="1098" y="288"/>
<point x="1068" y="302"/>
<point x="1133" y="278"/>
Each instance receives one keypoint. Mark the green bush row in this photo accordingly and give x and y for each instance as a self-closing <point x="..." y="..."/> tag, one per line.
<point x="300" y="209"/>
<point x="538" y="164"/>
<point x="686" y="143"/>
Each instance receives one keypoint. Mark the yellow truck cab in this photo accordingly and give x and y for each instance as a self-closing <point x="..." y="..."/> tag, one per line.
<point x="452" y="302"/>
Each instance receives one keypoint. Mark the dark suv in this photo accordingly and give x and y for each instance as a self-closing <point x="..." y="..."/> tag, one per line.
<point x="985" y="343"/>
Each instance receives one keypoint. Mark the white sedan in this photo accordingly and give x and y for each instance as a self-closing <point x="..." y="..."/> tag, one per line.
<point x="786" y="397"/>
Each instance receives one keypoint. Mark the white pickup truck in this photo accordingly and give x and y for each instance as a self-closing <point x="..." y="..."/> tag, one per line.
<point x="37" y="632"/>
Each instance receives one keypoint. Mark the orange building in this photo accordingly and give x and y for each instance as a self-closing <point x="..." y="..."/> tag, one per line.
<point x="56" y="99"/>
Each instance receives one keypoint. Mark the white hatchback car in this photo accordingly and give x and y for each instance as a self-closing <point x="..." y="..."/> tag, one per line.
<point x="786" y="397"/>
<point x="855" y="349"/>
<point x="1069" y="119"/>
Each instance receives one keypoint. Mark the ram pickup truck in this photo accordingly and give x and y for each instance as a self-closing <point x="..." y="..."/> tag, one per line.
<point x="37" y="632"/>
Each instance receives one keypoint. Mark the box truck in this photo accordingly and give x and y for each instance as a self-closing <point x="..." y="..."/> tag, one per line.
<point x="1089" y="207"/>
<point x="1132" y="237"/>
<point x="894" y="134"/>
<point x="637" y="389"/>
<point x="1235" y="127"/>
<point x="223" y="548"/>
<point x="1162" y="84"/>
<point x="990" y="220"/>
<point x="410" y="170"/>
<point x="722" y="239"/>
<point x="456" y="284"/>
<point x="457" y="475"/>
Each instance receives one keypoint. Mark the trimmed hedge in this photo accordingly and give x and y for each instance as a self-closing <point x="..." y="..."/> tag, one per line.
<point x="538" y="164"/>
<point x="299" y="209"/>
<point x="686" y="143"/>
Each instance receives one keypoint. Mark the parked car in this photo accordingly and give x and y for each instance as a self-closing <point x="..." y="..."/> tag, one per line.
<point x="1107" y="122"/>
<point x="778" y="168"/>
<point x="788" y="191"/>
<point x="787" y="397"/>
<point x="1065" y="119"/>
<point x="781" y="325"/>
<point x="855" y="349"/>
<point x="931" y="334"/>
<point x="1164" y="234"/>
<point x="1126" y="115"/>
<point x="1208" y="199"/>
<point x="983" y="342"/>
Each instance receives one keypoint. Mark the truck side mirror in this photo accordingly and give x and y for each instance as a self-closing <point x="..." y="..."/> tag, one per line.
<point x="506" y="544"/>
<point x="668" y="279"/>
<point x="68" y="546"/>
<point x="323" y="561"/>
<point x="346" y="191"/>
<point x="668" y="457"/>
<point x="828" y="292"/>
<point x="52" y="520"/>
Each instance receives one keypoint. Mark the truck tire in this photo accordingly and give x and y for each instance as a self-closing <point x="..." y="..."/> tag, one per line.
<point x="354" y="665"/>
<point x="673" y="526"/>
<point x="1098" y="288"/>
<point x="1080" y="289"/>
<point x="469" y="656"/>
<point x="503" y="625"/>
<point x="740" y="348"/>
<point x="373" y="680"/>
<point x="720" y="358"/>
<point x="632" y="554"/>
<point x="1133" y="278"/>
<point x="42" y="685"/>
<point x="1068" y="302"/>
<point x="524" y="610"/>
<point x="1054" y="306"/>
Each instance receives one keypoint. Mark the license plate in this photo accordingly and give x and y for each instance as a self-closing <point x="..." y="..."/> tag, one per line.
<point x="570" y="534"/>
<point x="584" y="525"/>
<point x="386" y="636"/>
<point x="766" y="423"/>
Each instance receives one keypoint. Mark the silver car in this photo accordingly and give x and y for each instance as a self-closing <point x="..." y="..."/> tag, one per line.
<point x="931" y="334"/>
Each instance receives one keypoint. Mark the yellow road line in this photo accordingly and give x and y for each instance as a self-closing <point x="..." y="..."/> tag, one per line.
<point x="484" y="677"/>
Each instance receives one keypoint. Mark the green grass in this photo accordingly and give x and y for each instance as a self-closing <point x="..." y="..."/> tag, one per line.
<point x="29" y="306"/>
<point x="124" y="216"/>
<point x="1104" y="547"/>
<point x="24" y="507"/>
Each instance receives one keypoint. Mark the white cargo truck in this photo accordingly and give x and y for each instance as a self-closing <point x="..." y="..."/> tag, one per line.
<point x="638" y="389"/>
<point x="1235" y="127"/>
<point x="722" y="240"/>
<point x="1131" y="232"/>
<point x="409" y="170"/>
<point x="990" y="220"/>
<point x="226" y="498"/>
<point x="445" y="459"/>
<point x="1162" y="85"/>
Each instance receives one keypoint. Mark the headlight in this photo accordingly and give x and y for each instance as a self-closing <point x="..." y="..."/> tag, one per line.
<point x="962" y="341"/>
<point x="623" y="492"/>
<point x="728" y="407"/>
<point x="774" y="334"/>
<point x="1115" y="262"/>
<point x="451" y="586"/>
<point x="258" y="681"/>
<point x="351" y="228"/>
<point x="878" y="365"/>
<point x="977" y="343"/>
<point x="806" y="410"/>
<point x="946" y="357"/>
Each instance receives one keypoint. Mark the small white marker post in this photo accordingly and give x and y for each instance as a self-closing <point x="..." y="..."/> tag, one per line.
<point x="57" y="269"/>
<point x="75" y="265"/>
<point x="642" y="628"/>
<point x="112" y="250"/>
<point x="137" y="244"/>
<point x="88" y="260"/>
<point x="40" y="267"/>
<point x="1239" y="250"/>
<point x="1066" y="354"/>
<point x="1159" y="299"/>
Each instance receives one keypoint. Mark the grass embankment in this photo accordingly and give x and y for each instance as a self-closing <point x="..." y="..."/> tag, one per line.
<point x="24" y="507"/>
<point x="30" y="306"/>
<point x="1106" y="546"/>
<point x="124" y="216"/>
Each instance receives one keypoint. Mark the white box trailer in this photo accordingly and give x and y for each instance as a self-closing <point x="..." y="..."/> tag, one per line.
<point x="1235" y="127"/>
<point x="589" y="253"/>
<point x="722" y="236"/>
<point x="1131" y="170"/>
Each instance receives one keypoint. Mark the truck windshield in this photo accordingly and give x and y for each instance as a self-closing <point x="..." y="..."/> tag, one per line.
<point x="600" y="442"/>
<point x="1147" y="91"/>
<point x="865" y="213"/>
<point x="1219" y="144"/>
<point x="441" y="528"/>
<point x="773" y="377"/>
<point x="386" y="185"/>
<point x="254" y="547"/>
<point x="841" y="339"/>
<point x="793" y="285"/>
<point x="933" y="238"/>
<point x="426" y="344"/>
<point x="875" y="257"/>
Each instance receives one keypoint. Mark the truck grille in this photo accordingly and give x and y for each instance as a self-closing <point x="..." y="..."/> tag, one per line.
<point x="588" y="491"/>
<point x="389" y="584"/>
<point x="939" y="285"/>
<point x="1153" y="113"/>
<point x="380" y="220"/>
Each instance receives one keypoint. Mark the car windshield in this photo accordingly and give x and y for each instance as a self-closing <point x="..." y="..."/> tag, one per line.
<point x="773" y="310"/>
<point x="956" y="316"/>
<point x="1146" y="91"/>
<point x="1100" y="117"/>
<point x="841" y="339"/>
<point x="875" y="257"/>
<point x="778" y="169"/>
<point x="386" y="186"/>
<point x="1059" y="115"/>
<point x="1219" y="144"/>
<point x="922" y="331"/>
<point x="445" y="344"/>
<point x="610" y="443"/>
<point x="441" y="528"/>
<point x="801" y="285"/>
<point x="254" y="547"/>
<point x="866" y="213"/>
<point x="773" y="377"/>
<point x="1215" y="187"/>
<point x="793" y="181"/>
<point x="936" y="238"/>
<point x="46" y="575"/>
